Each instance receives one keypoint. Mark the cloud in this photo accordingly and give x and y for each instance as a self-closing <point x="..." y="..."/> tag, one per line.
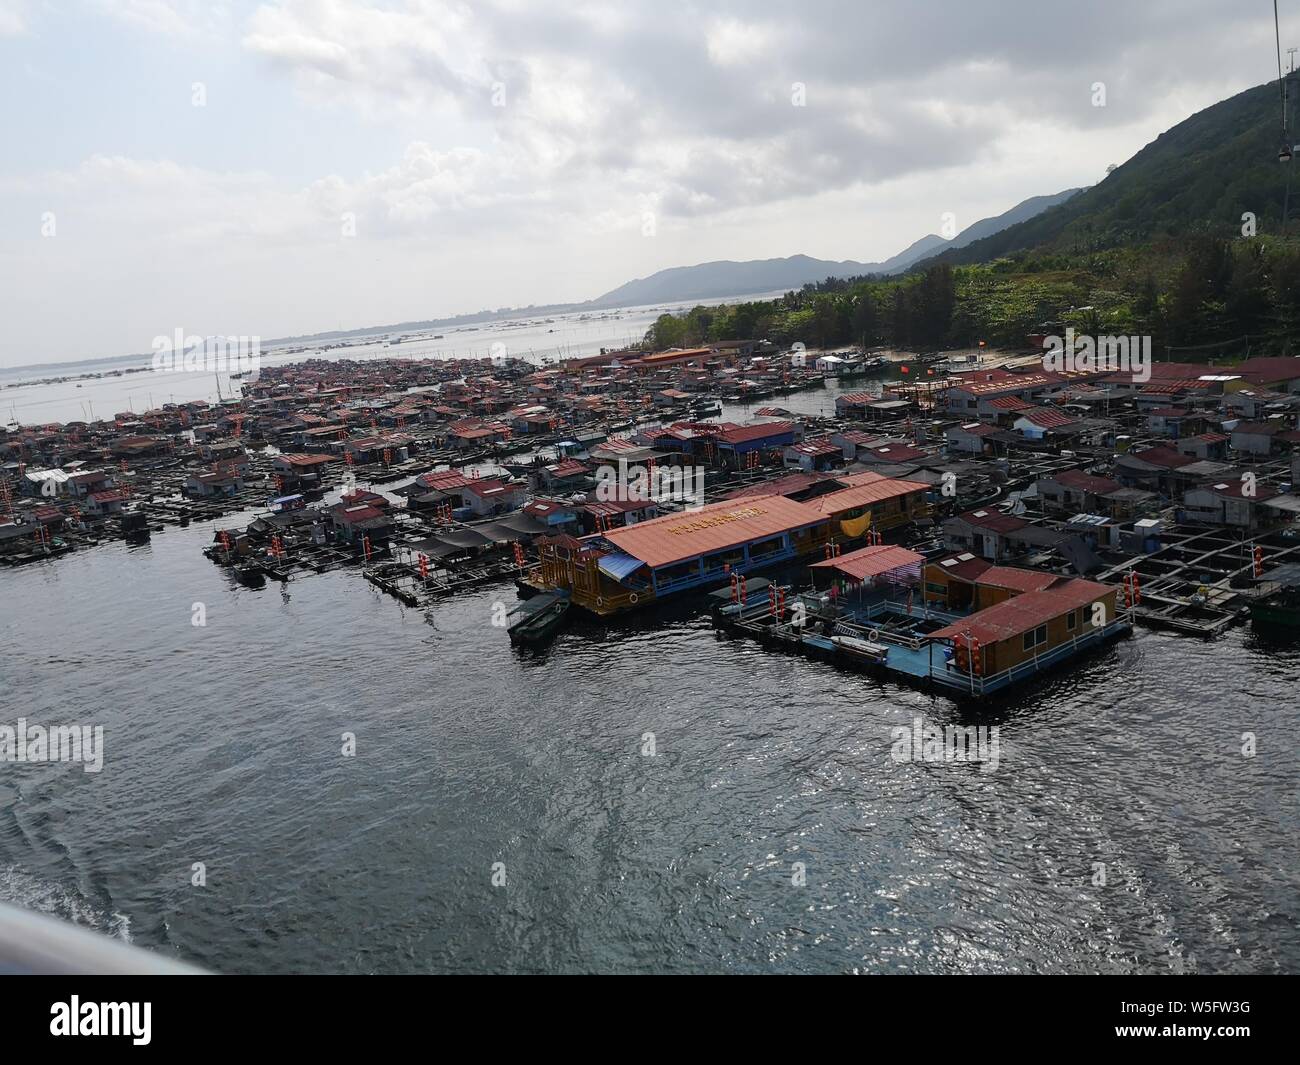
<point x="13" y="18"/>
<point x="504" y="151"/>
<point x="701" y="111"/>
<point x="168" y="17"/>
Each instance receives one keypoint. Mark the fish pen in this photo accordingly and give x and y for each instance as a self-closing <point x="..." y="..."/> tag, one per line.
<point x="1199" y="580"/>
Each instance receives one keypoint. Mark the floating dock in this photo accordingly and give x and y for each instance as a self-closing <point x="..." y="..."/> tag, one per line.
<point x="889" y="639"/>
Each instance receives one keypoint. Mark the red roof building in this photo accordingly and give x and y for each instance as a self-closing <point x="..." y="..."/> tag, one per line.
<point x="716" y="527"/>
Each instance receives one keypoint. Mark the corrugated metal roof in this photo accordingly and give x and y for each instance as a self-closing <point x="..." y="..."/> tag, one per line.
<point x="1046" y="418"/>
<point x="742" y="434"/>
<point x="57" y="476"/>
<point x="618" y="565"/>
<point x="865" y="494"/>
<point x="1024" y="612"/>
<point x="678" y="537"/>
<point x="1015" y="579"/>
<point x="965" y="566"/>
<point x="855" y="480"/>
<point x="872" y="561"/>
<point x="1084" y="482"/>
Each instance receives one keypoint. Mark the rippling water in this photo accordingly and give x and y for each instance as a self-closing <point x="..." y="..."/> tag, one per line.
<point x="223" y="747"/>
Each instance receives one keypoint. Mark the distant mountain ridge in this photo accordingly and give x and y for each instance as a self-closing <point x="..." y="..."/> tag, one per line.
<point x="723" y="278"/>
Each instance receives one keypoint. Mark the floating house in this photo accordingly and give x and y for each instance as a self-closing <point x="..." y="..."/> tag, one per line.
<point x="975" y="392"/>
<point x="1032" y="629"/>
<point x="737" y="441"/>
<point x="972" y="438"/>
<point x="1074" y="490"/>
<point x="632" y="566"/>
<point x="872" y="501"/>
<point x="212" y="485"/>
<point x="877" y="565"/>
<point x="813" y="455"/>
<point x="1035" y="621"/>
<point x="301" y="470"/>
<point x="358" y="522"/>
<point x="109" y="501"/>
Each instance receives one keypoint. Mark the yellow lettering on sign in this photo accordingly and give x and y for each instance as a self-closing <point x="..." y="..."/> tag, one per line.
<point x="715" y="520"/>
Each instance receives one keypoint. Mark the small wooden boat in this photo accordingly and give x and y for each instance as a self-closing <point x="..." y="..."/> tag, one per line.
<point x="543" y="616"/>
<point x="863" y="649"/>
<point x="250" y="574"/>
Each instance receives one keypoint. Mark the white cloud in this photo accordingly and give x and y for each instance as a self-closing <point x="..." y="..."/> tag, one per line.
<point x="13" y="17"/>
<point x="503" y="151"/>
<point x="731" y="42"/>
<point x="173" y="17"/>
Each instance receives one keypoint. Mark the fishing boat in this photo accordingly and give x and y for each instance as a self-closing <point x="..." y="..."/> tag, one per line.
<point x="250" y="574"/>
<point x="1278" y="604"/>
<point x="543" y="616"/>
<point x="863" y="649"/>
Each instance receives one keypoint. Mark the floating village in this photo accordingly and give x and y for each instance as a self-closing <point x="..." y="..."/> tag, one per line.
<point x="964" y="521"/>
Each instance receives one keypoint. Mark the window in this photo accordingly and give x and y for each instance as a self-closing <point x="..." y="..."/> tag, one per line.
<point x="1035" y="638"/>
<point x="1071" y="620"/>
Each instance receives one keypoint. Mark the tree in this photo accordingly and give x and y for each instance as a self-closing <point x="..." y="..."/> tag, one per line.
<point x="864" y="319"/>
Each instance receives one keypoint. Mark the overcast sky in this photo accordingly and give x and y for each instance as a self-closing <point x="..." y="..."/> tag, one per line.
<point x="183" y="164"/>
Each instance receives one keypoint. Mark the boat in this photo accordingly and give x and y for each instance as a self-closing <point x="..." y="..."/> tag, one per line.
<point x="1278" y="607"/>
<point x="864" y="649"/>
<point x="543" y="616"/>
<point x="250" y="574"/>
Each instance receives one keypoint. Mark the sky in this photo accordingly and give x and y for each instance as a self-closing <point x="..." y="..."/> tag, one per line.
<point x="275" y="169"/>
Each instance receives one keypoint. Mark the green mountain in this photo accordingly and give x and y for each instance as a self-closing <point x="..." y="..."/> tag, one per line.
<point x="727" y="278"/>
<point x="1199" y="177"/>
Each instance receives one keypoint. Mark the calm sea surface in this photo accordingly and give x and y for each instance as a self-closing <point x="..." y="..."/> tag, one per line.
<point x="223" y="746"/>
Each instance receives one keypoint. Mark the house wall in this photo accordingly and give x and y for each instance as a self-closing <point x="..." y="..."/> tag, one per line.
<point x="1253" y="443"/>
<point x="1007" y="653"/>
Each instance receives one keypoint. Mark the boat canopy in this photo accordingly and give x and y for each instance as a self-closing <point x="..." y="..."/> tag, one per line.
<point x="618" y="565"/>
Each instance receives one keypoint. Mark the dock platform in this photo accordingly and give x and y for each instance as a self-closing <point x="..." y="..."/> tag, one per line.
<point x="816" y="628"/>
